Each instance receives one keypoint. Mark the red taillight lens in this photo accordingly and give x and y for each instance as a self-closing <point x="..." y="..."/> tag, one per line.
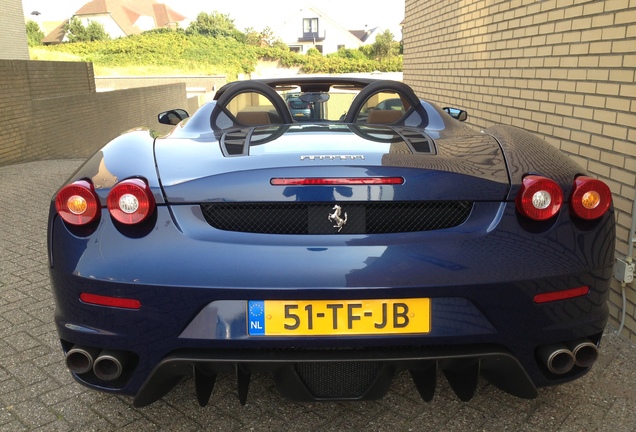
<point x="539" y="198"/>
<point x="78" y="203"/>
<point x="590" y="198"/>
<point x="131" y="201"/>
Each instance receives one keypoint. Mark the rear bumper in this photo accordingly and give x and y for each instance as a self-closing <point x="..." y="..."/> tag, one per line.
<point x="194" y="282"/>
<point x="340" y="374"/>
<point x="164" y="342"/>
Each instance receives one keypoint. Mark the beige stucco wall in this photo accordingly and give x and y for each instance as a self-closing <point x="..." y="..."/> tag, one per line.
<point x="194" y="84"/>
<point x="562" y="69"/>
<point x="13" y="40"/>
<point x="51" y="110"/>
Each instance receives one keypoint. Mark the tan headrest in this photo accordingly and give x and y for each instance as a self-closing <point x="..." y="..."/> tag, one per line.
<point x="384" y="116"/>
<point x="253" y="117"/>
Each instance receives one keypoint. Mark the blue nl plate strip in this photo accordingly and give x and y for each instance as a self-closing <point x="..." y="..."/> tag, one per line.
<point x="256" y="317"/>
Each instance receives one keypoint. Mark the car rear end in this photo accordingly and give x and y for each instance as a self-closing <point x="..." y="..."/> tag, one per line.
<point x="332" y="256"/>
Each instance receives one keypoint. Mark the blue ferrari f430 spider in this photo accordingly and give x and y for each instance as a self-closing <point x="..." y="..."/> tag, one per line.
<point x="331" y="250"/>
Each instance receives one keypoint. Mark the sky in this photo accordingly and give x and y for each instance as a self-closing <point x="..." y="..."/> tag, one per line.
<point x="352" y="14"/>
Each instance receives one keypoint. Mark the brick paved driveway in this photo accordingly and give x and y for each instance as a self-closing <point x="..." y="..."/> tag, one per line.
<point x="37" y="393"/>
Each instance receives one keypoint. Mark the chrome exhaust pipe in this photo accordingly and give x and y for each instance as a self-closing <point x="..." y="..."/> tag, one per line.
<point x="109" y="365"/>
<point x="585" y="352"/>
<point x="557" y="358"/>
<point x="79" y="360"/>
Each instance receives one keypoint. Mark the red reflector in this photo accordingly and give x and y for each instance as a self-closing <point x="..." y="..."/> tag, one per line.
<point x="561" y="295"/>
<point x="313" y="181"/>
<point x="117" y="302"/>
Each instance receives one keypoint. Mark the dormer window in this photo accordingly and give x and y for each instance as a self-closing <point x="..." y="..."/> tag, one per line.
<point x="310" y="27"/>
<point x="310" y="30"/>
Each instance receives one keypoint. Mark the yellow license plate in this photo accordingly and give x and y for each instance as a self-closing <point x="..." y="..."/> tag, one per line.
<point x="338" y="317"/>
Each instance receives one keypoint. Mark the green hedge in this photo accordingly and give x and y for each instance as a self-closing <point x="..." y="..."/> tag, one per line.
<point x="192" y="52"/>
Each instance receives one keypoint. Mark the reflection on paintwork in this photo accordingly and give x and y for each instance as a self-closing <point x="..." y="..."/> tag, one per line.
<point x="104" y="178"/>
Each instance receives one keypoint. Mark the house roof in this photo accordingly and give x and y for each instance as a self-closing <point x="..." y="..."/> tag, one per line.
<point x="363" y="35"/>
<point x="360" y="34"/>
<point x="55" y="36"/>
<point x="125" y="13"/>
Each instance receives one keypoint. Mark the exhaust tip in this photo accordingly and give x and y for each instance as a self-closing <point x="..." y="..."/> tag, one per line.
<point x="585" y="352"/>
<point x="109" y="365"/>
<point x="79" y="360"/>
<point x="557" y="358"/>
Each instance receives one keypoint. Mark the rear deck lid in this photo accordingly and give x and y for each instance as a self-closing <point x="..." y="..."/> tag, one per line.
<point x="239" y="165"/>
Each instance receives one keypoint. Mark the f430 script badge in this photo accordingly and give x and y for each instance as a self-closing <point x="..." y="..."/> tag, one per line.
<point x="331" y="157"/>
<point x="336" y="217"/>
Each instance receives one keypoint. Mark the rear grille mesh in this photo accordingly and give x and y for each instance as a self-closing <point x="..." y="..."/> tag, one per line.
<point x="338" y="380"/>
<point x="312" y="218"/>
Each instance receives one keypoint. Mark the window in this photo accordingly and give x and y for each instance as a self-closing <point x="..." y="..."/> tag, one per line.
<point x="310" y="26"/>
<point x="311" y="31"/>
<point x="253" y="108"/>
<point x="384" y="107"/>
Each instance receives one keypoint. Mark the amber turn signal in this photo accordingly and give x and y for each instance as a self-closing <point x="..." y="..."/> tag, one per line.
<point x="77" y="203"/>
<point x="591" y="198"/>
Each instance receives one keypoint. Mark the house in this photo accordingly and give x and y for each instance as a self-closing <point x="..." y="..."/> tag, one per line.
<point x="310" y="28"/>
<point x="121" y="18"/>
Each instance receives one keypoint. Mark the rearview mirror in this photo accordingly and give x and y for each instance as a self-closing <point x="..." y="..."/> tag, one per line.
<point x="172" y="117"/>
<point x="314" y="97"/>
<point x="456" y="113"/>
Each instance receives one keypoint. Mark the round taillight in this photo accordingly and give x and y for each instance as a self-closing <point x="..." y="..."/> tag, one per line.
<point x="131" y="201"/>
<point x="77" y="203"/>
<point x="539" y="198"/>
<point x="590" y="198"/>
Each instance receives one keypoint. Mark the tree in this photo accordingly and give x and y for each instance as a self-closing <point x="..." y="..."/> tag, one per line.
<point x="272" y="40"/>
<point x="96" y="31"/>
<point x="384" y="46"/>
<point x="215" y="25"/>
<point x="76" y="32"/>
<point x="265" y="38"/>
<point x="253" y="37"/>
<point x="34" y="34"/>
<point x="278" y="43"/>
